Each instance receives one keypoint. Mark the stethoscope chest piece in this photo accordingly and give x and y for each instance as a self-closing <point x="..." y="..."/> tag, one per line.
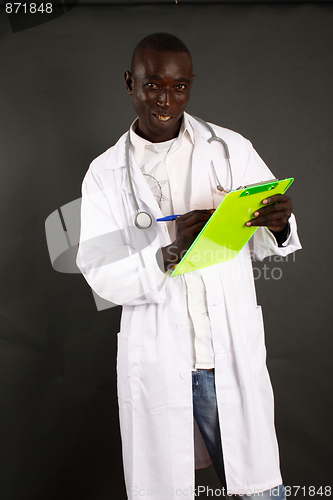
<point x="143" y="220"/>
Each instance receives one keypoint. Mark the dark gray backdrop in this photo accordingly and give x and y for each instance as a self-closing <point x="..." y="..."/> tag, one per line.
<point x="264" y="70"/>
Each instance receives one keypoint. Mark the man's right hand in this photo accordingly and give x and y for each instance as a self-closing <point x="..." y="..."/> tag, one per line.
<point x="188" y="226"/>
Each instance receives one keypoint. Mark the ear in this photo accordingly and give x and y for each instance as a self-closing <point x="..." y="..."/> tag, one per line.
<point x="129" y="82"/>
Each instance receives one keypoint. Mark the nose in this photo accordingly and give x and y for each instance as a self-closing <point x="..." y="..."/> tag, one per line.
<point x="164" y="99"/>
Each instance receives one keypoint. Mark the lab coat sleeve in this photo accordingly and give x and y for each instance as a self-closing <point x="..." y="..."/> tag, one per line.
<point x="119" y="263"/>
<point x="263" y="243"/>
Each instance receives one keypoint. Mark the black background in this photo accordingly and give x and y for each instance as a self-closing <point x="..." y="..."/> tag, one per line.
<point x="264" y="70"/>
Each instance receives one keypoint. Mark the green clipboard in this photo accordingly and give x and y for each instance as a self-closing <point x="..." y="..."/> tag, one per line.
<point x="225" y="234"/>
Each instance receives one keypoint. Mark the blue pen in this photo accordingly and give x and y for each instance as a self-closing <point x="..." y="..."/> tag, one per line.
<point x="169" y="217"/>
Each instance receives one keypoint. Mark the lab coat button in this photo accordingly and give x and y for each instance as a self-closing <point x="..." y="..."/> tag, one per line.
<point x="183" y="374"/>
<point x="180" y="326"/>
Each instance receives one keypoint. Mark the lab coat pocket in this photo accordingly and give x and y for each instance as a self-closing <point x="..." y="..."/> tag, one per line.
<point x="128" y="369"/>
<point x="253" y="328"/>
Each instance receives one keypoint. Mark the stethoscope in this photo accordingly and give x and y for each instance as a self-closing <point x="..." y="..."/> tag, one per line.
<point x="142" y="219"/>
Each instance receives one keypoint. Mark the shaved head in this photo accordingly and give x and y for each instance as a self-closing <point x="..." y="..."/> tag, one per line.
<point x="160" y="42"/>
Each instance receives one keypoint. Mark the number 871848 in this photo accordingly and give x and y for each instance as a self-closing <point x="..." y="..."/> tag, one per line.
<point x="32" y="8"/>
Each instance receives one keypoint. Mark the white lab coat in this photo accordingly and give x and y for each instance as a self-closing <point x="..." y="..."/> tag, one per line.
<point x="154" y="344"/>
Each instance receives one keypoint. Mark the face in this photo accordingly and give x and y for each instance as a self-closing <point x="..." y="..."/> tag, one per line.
<point x="160" y="85"/>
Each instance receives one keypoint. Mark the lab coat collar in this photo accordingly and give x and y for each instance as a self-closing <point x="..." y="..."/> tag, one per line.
<point x="139" y="144"/>
<point x="203" y="154"/>
<point x="116" y="158"/>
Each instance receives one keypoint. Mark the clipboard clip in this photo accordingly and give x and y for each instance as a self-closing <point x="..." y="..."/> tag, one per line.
<point x="258" y="187"/>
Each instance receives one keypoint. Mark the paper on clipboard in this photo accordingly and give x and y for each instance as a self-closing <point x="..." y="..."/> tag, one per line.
<point x="225" y="234"/>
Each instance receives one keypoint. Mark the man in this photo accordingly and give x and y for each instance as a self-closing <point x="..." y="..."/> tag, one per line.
<point x="193" y="344"/>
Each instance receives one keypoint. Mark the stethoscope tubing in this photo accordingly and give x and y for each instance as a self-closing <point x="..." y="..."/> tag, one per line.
<point x="143" y="220"/>
<point x="226" y="150"/>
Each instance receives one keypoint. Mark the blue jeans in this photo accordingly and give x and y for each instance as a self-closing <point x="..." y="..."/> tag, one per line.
<point x="206" y="415"/>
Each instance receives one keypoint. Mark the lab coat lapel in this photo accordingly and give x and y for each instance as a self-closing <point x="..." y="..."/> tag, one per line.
<point x="117" y="160"/>
<point x="141" y="189"/>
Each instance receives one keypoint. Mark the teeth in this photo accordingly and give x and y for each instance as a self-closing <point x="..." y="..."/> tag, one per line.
<point x="163" y="118"/>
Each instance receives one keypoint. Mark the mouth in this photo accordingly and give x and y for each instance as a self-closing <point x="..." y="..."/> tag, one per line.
<point x="162" y="118"/>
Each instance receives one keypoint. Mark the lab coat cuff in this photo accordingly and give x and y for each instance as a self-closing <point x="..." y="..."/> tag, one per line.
<point x="265" y="243"/>
<point x="282" y="236"/>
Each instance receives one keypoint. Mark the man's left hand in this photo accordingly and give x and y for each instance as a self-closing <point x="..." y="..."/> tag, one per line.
<point x="274" y="214"/>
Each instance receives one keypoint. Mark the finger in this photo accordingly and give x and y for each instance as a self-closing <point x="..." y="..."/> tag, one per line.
<point x="276" y="198"/>
<point x="194" y="213"/>
<point x="284" y="205"/>
<point x="196" y="228"/>
<point x="276" y="227"/>
<point x="189" y="234"/>
<point x="277" y="207"/>
<point x="194" y="217"/>
<point x="271" y="219"/>
<point x="192" y="226"/>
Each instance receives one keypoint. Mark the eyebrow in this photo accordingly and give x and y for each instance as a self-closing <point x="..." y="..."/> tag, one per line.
<point x="159" y="77"/>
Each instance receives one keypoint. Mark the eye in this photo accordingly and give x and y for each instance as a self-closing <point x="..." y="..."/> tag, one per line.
<point x="181" y="86"/>
<point x="152" y="85"/>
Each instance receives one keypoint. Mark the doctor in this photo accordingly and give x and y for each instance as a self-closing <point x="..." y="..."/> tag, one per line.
<point x="193" y="386"/>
